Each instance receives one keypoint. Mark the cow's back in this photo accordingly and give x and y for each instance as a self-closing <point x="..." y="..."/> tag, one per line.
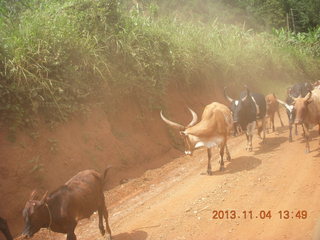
<point x="300" y="89"/>
<point x="314" y="107"/>
<point x="261" y="102"/>
<point x="216" y="118"/>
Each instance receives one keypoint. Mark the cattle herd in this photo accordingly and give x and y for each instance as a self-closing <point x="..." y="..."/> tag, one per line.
<point x="82" y="195"/>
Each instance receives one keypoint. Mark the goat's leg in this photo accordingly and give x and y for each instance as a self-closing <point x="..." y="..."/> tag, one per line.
<point x="280" y="118"/>
<point x="101" y="227"/>
<point x="5" y="229"/>
<point x="272" y="122"/>
<point x="106" y="216"/>
<point x="70" y="233"/>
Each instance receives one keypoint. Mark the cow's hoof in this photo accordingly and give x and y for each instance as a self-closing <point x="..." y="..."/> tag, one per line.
<point x="307" y="151"/>
<point x="210" y="173"/>
<point x="290" y="139"/>
<point x="108" y="237"/>
<point x="102" y="231"/>
<point x="221" y="168"/>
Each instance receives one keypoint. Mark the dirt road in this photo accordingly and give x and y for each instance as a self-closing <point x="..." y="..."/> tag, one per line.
<point x="176" y="201"/>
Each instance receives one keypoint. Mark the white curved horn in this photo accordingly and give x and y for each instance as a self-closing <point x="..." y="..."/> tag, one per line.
<point x="194" y="118"/>
<point x="287" y="106"/>
<point x="226" y="95"/>
<point x="172" y="124"/>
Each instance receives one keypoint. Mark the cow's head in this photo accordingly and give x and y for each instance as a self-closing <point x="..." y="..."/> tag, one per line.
<point x="237" y="106"/>
<point x="291" y="111"/>
<point x="35" y="214"/>
<point x="189" y="141"/>
<point x="301" y="106"/>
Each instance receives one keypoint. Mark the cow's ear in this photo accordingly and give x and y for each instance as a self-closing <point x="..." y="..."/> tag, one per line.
<point x="309" y="101"/>
<point x="44" y="197"/>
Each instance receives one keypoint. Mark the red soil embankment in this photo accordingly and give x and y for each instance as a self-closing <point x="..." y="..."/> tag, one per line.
<point x="131" y="141"/>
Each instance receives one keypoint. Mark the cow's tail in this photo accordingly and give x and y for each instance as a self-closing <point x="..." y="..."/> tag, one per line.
<point x="104" y="176"/>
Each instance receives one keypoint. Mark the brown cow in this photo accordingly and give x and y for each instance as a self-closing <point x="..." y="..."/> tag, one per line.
<point x="308" y="112"/>
<point x="212" y="130"/>
<point x="5" y="229"/>
<point x="62" y="209"/>
<point x="272" y="108"/>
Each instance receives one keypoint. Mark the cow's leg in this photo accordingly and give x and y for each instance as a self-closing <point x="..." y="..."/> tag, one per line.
<point x="264" y="129"/>
<point x="280" y="118"/>
<point x="290" y="132"/>
<point x="235" y="129"/>
<point x="250" y="128"/>
<point x="306" y="134"/>
<point x="106" y="217"/>
<point x="228" y="153"/>
<point x="209" y="171"/>
<point x="222" y="146"/>
<point x="247" y="145"/>
<point x="70" y="232"/>
<point x="296" y="129"/>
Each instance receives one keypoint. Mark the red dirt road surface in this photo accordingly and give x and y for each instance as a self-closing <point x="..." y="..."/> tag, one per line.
<point x="176" y="201"/>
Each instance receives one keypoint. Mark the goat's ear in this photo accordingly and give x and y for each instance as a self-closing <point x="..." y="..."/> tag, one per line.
<point x="33" y="195"/>
<point x="44" y="197"/>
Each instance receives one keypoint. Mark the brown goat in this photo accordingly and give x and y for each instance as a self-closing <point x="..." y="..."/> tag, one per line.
<point x="62" y="209"/>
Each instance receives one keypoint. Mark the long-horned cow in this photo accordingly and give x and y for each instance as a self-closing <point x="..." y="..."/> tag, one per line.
<point x="212" y="130"/>
<point x="248" y="111"/>
<point x="5" y="229"/>
<point x="272" y="108"/>
<point x="60" y="211"/>
<point x="308" y="112"/>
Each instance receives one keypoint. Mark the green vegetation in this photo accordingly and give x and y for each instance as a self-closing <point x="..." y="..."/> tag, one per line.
<point x="56" y="57"/>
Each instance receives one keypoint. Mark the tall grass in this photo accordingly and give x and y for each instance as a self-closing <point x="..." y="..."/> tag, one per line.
<point x="57" y="56"/>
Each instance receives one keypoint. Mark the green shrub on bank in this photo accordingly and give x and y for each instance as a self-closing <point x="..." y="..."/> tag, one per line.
<point x="56" y="56"/>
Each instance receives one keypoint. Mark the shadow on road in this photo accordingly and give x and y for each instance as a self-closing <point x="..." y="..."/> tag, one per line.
<point x="270" y="144"/>
<point x="135" y="235"/>
<point x="240" y="164"/>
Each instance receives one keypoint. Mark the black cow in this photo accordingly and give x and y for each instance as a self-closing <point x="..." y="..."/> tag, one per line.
<point x="5" y="229"/>
<point x="297" y="90"/>
<point x="248" y="111"/>
<point x="62" y="209"/>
